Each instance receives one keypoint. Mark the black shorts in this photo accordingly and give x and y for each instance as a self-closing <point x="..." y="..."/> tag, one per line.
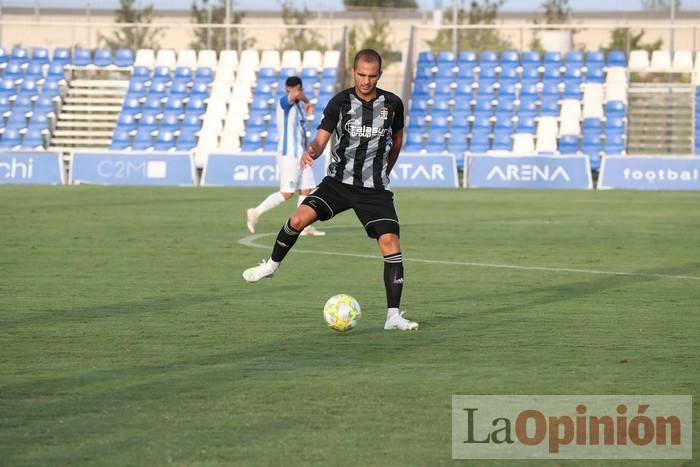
<point x="374" y="208"/>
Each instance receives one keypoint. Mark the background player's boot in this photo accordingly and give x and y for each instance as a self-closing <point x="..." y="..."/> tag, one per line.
<point x="397" y="321"/>
<point x="311" y="231"/>
<point x="267" y="268"/>
<point x="251" y="218"/>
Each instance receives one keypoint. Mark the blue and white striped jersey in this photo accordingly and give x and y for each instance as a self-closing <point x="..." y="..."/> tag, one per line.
<point x="291" y="127"/>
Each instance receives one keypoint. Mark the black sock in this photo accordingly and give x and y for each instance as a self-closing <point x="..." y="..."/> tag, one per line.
<point x="393" y="279"/>
<point x="285" y="241"/>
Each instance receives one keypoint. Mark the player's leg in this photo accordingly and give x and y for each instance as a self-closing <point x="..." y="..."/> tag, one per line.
<point x="306" y="184"/>
<point x="322" y="204"/>
<point x="287" y="167"/>
<point x="378" y="215"/>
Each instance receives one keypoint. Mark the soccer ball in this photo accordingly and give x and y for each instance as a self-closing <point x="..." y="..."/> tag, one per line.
<point x="342" y="312"/>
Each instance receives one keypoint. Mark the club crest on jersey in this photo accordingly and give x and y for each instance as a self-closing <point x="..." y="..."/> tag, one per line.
<point x="355" y="128"/>
<point x="384" y="113"/>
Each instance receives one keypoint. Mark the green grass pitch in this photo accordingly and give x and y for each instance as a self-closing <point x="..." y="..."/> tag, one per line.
<point x="128" y="337"/>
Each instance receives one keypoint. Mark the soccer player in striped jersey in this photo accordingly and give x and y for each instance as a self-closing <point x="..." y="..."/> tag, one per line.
<point x="367" y="125"/>
<point x="291" y="127"/>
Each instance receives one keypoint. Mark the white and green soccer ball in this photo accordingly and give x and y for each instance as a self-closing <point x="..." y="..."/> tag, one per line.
<point x="342" y="312"/>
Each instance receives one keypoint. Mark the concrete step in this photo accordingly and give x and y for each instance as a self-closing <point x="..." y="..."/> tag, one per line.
<point x="93" y="100"/>
<point x="63" y="124"/>
<point x="91" y="108"/>
<point x="105" y="117"/>
<point x="100" y="92"/>
<point x="87" y="134"/>
<point x="81" y="142"/>
<point x="100" y="83"/>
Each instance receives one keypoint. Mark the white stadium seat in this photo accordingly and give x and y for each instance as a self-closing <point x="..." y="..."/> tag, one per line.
<point x="207" y="58"/>
<point x="570" y="109"/>
<point x="546" y="135"/>
<point x="249" y="59"/>
<point x="166" y="57"/>
<point x="616" y="92"/>
<point x="697" y="61"/>
<point x="616" y="75"/>
<point x="593" y="92"/>
<point x="270" y="59"/>
<point x="145" y="57"/>
<point x="331" y="59"/>
<point x="660" y="61"/>
<point x="187" y="58"/>
<point x="569" y="126"/>
<point x="683" y="61"/>
<point x="229" y="58"/>
<point x="291" y="59"/>
<point x="523" y="144"/>
<point x="592" y="109"/>
<point x="312" y="59"/>
<point x="639" y="61"/>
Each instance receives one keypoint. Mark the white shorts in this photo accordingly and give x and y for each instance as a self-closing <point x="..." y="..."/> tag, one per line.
<point x="292" y="178"/>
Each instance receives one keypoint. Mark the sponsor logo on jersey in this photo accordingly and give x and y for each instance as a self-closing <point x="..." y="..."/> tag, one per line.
<point x="356" y="129"/>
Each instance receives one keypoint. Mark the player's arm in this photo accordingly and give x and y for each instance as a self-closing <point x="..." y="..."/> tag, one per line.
<point x="316" y="147"/>
<point x="396" y="142"/>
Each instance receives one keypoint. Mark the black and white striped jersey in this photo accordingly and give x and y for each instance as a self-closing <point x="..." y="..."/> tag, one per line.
<point x="362" y="136"/>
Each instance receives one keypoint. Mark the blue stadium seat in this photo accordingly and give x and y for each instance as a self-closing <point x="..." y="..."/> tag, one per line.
<point x="40" y="56"/>
<point x="13" y="71"/>
<point x="488" y="58"/>
<point x="10" y="139"/>
<point x="445" y="71"/>
<point x="35" y="71"/>
<point x="257" y="119"/>
<point x="158" y="89"/>
<point x="479" y="141"/>
<point x="614" y="144"/>
<point x="153" y="103"/>
<point x="527" y="106"/>
<point x="200" y="89"/>
<point x="120" y="140"/>
<point x="204" y="74"/>
<point x="502" y="142"/>
<point x="165" y="141"/>
<point x="617" y="58"/>
<point x="131" y="105"/>
<point x="44" y="104"/>
<point x="443" y="87"/>
<point x="186" y="140"/>
<point x="426" y="57"/>
<point x="530" y="74"/>
<point x="421" y="90"/>
<point x="440" y="104"/>
<point x="462" y="105"/>
<point x="531" y="57"/>
<point x="29" y="88"/>
<point x="458" y="145"/>
<point x="549" y="106"/>
<point x="507" y="90"/>
<point x="56" y="71"/>
<point x="308" y="74"/>
<point x="126" y="121"/>
<point x="267" y="72"/>
<point x="574" y="59"/>
<point x="174" y="104"/>
<point x="439" y="120"/>
<point x="5" y="106"/>
<point x="61" y="56"/>
<point x="414" y="142"/>
<point x="140" y="73"/>
<point x="528" y="91"/>
<point x="464" y="89"/>
<point x="483" y="106"/>
<point x="143" y="139"/>
<point x="3" y="57"/>
<point x="591" y="144"/>
<point x="572" y="90"/>
<point x="183" y="73"/>
<point x="16" y="120"/>
<point x="615" y="109"/>
<point x="178" y="90"/>
<point x="19" y="55"/>
<point x="550" y="89"/>
<point x="503" y="123"/>
<point x="614" y="124"/>
<point x="435" y="145"/>
<point x="482" y="122"/>
<point x="573" y="75"/>
<point x="568" y="144"/>
<point x="261" y="102"/>
<point x="170" y="121"/>
<point x="468" y="57"/>
<point x="103" y="58"/>
<point x="526" y="124"/>
<point x="285" y="72"/>
<point x="124" y="58"/>
<point x="419" y="104"/>
<point x="424" y="72"/>
<point x="39" y="121"/>
<point x="446" y="56"/>
<point x="595" y="57"/>
<point x="595" y="74"/>
<point x="251" y="141"/>
<point x="329" y="74"/>
<point x="552" y="58"/>
<point x="509" y="71"/>
<point x="148" y="122"/>
<point x="23" y="103"/>
<point x="82" y="57"/>
<point x="33" y="139"/>
<point x="161" y="75"/>
<point x="505" y="109"/>
<point x="460" y="123"/>
<point x="552" y="74"/>
<point x="191" y="121"/>
<point x="510" y="57"/>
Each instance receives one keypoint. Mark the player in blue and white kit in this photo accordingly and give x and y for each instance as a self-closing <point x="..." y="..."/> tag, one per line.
<point x="291" y="127"/>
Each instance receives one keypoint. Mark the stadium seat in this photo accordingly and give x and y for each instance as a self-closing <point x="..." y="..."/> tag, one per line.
<point x="23" y="103"/>
<point x="426" y="57"/>
<point x="488" y="58"/>
<point x="19" y="55"/>
<point x="148" y="121"/>
<point x="639" y="61"/>
<point x="592" y="109"/>
<point x="502" y="142"/>
<point x="592" y="125"/>
<point x="145" y="58"/>
<point x="568" y="144"/>
<point x="467" y="58"/>
<point x="549" y="106"/>
<point x="569" y="126"/>
<point x="291" y="59"/>
<point x="682" y="61"/>
<point x="120" y="140"/>
<point x="552" y="58"/>
<point x="143" y="139"/>
<point x="331" y="59"/>
<point x="595" y="57"/>
<point x="103" y="58"/>
<point x="270" y="59"/>
<point x="312" y="59"/>
<point x="510" y="57"/>
<point x="479" y="141"/>
<point x="186" y="140"/>
<point x="33" y="139"/>
<point x="11" y="139"/>
<point x="550" y="89"/>
<point x="40" y="56"/>
<point x="124" y="58"/>
<point x="165" y="58"/>
<point x="186" y="58"/>
<point x="13" y="71"/>
<point x="17" y="120"/>
<point x="446" y="56"/>
<point x="552" y="74"/>
<point x="570" y="109"/>
<point x="61" y="56"/>
<point x="574" y="60"/>
<point x="82" y="57"/>
<point x="161" y="75"/>
<point x="572" y="90"/>
<point x="531" y="58"/>
<point x="595" y="74"/>
<point x="617" y="58"/>
<point x="126" y="121"/>
<point x="615" y="109"/>
<point x="523" y="144"/>
<point x="546" y="135"/>
<point x="414" y="142"/>
<point x="660" y="61"/>
<point x="165" y="141"/>
<point x="614" y="144"/>
<point x="34" y="71"/>
<point x="170" y="121"/>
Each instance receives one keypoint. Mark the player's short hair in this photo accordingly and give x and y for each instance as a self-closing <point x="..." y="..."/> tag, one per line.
<point x="368" y="55"/>
<point x="293" y="81"/>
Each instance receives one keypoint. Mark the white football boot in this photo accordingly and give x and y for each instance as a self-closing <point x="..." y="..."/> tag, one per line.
<point x="265" y="269"/>
<point x="397" y="321"/>
<point x="311" y="231"/>
<point x="251" y="218"/>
